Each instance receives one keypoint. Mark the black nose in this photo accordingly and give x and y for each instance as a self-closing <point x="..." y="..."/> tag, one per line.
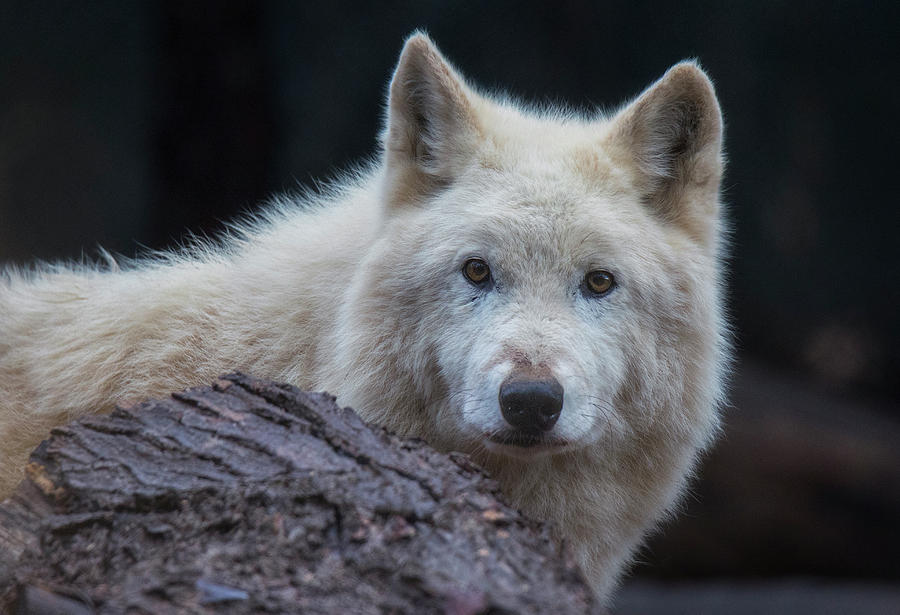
<point x="531" y="405"/>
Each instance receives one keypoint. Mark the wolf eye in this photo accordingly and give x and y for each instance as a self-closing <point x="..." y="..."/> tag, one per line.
<point x="476" y="270"/>
<point x="599" y="281"/>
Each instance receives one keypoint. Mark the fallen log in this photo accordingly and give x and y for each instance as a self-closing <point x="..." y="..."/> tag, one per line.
<point x="249" y="496"/>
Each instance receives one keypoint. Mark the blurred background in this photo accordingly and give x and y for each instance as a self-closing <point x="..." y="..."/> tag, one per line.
<point x="125" y="124"/>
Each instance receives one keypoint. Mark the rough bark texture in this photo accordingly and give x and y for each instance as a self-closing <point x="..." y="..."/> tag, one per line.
<point x="249" y="496"/>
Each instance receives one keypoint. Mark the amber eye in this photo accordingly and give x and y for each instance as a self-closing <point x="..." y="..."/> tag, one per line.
<point x="477" y="270"/>
<point x="599" y="281"/>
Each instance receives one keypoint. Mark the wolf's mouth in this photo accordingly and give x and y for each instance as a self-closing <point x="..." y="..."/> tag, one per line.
<point x="524" y="439"/>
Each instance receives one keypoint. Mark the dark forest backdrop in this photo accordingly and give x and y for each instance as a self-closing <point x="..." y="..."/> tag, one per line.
<point x="123" y="125"/>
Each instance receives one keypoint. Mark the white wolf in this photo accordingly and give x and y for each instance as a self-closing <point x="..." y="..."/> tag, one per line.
<point x="534" y="287"/>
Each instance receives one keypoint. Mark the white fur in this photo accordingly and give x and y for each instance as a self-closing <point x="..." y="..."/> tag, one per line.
<point x="361" y="292"/>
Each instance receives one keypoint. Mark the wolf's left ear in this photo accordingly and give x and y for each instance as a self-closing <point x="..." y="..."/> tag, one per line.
<point x="431" y="128"/>
<point x="673" y="132"/>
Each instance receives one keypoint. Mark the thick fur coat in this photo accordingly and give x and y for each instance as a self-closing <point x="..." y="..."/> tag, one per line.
<point x="597" y="247"/>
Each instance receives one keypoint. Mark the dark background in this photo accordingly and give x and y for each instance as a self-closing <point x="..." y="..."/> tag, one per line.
<point x="123" y="125"/>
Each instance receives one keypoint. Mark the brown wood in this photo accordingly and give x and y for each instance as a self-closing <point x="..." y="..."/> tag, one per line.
<point x="250" y="496"/>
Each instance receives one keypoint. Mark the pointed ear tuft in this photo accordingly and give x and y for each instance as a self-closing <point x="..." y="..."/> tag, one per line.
<point x="431" y="126"/>
<point x="673" y="131"/>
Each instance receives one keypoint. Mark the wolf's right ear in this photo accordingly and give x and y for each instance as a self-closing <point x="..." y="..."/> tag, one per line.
<point x="431" y="129"/>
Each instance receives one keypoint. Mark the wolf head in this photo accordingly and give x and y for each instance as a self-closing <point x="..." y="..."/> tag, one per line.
<point x="542" y="281"/>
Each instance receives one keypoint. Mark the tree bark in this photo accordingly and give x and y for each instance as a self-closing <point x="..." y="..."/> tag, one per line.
<point x="249" y="496"/>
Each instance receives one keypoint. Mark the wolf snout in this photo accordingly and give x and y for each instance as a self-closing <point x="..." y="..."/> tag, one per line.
<point x="531" y="405"/>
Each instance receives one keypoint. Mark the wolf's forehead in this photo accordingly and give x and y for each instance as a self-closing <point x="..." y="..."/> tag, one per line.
<point x="544" y="214"/>
<point x="562" y="208"/>
<point x="557" y="229"/>
<point x="543" y="150"/>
